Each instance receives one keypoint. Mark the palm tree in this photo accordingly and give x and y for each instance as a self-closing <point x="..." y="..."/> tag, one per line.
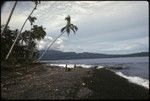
<point x="36" y="3"/>
<point x="24" y="37"/>
<point x="29" y="37"/>
<point x="7" y="40"/>
<point x="38" y="32"/>
<point x="67" y="29"/>
<point x="69" y="26"/>
<point x="32" y="20"/>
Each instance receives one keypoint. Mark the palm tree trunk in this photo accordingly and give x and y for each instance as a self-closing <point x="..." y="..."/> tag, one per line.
<point x="50" y="46"/>
<point x="9" y="17"/>
<point x="19" y="34"/>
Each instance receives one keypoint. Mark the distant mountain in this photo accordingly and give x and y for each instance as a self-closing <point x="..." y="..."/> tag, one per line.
<point x="59" y="55"/>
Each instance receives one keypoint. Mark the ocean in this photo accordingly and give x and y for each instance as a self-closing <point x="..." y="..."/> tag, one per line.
<point x="135" y="69"/>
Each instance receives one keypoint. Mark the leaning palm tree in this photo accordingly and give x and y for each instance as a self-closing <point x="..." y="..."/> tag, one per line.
<point x="69" y="26"/>
<point x="67" y="29"/>
<point x="32" y="20"/>
<point x="36" y="3"/>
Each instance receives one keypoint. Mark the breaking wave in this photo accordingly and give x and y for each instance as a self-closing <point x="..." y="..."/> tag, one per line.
<point x="135" y="79"/>
<point x="71" y="65"/>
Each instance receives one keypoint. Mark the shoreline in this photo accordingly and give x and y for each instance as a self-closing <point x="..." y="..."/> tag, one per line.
<point x="111" y="86"/>
<point x="53" y="82"/>
<point x="130" y="79"/>
<point x="133" y="79"/>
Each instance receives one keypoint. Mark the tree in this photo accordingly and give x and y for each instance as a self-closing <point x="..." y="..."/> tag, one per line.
<point x="38" y="32"/>
<point x="23" y="54"/>
<point x="28" y="37"/>
<point x="36" y="3"/>
<point x="69" y="26"/>
<point x="6" y="40"/>
<point x="32" y="20"/>
<point x="67" y="29"/>
<point x="24" y="37"/>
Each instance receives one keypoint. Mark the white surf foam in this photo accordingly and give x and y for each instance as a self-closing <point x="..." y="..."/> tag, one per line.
<point x="99" y="67"/>
<point x="60" y="65"/>
<point x="84" y="65"/>
<point x="135" y="79"/>
<point x="71" y="65"/>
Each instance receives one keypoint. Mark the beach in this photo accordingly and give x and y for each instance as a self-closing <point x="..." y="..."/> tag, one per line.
<point x="55" y="82"/>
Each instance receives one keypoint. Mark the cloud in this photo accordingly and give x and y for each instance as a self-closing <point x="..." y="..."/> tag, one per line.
<point x="104" y="26"/>
<point x="44" y="44"/>
<point x="116" y="47"/>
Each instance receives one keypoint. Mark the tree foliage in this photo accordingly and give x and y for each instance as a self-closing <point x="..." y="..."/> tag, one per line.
<point x="32" y="20"/>
<point x="69" y="26"/>
<point x="25" y="49"/>
<point x="67" y="29"/>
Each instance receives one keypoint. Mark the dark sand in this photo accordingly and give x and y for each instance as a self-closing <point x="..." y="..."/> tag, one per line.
<point x="107" y="85"/>
<point x="43" y="82"/>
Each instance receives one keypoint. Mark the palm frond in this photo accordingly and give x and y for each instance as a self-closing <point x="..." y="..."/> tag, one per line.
<point x="32" y="19"/>
<point x="69" y="27"/>
<point x="68" y="31"/>
<point x="75" y="27"/>
<point x="36" y="2"/>
<point x="72" y="29"/>
<point x="62" y="30"/>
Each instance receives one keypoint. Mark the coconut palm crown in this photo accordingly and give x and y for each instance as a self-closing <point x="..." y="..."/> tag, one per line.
<point x="32" y="20"/>
<point x="69" y="26"/>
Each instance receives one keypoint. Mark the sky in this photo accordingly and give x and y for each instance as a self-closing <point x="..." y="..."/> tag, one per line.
<point x="111" y="27"/>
